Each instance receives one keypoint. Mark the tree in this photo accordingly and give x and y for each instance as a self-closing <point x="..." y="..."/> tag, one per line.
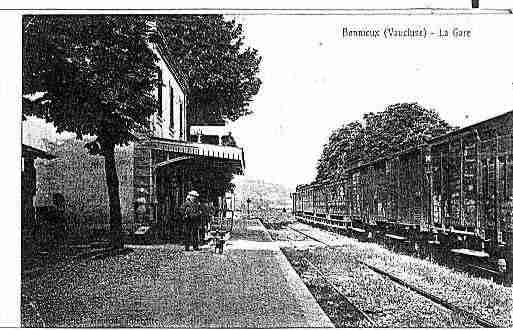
<point x="222" y="71"/>
<point x="399" y="127"/>
<point x="91" y="75"/>
<point x="344" y="146"/>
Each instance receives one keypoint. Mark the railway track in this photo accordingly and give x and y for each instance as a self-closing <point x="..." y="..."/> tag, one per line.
<point x="355" y="308"/>
<point x="437" y="300"/>
<point x="345" y="298"/>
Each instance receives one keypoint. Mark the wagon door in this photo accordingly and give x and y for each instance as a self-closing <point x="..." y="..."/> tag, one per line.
<point x="488" y="186"/>
<point x="496" y="198"/>
<point x="504" y="186"/>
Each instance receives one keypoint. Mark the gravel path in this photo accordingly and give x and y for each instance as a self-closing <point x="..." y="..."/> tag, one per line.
<point x="249" y="286"/>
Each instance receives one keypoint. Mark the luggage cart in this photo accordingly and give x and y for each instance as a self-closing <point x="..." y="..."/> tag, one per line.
<point x="221" y="225"/>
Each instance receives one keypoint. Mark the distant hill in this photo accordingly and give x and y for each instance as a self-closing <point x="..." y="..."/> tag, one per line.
<point x="263" y="195"/>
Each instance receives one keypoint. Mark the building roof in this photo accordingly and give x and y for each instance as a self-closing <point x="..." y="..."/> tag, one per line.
<point x="28" y="151"/>
<point x="165" y="53"/>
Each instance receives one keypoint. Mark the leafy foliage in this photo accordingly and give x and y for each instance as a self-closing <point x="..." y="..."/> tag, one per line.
<point x="222" y="71"/>
<point x="399" y="127"/>
<point x="96" y="72"/>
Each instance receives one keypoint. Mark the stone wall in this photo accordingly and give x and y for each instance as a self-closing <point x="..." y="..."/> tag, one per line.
<point x="80" y="177"/>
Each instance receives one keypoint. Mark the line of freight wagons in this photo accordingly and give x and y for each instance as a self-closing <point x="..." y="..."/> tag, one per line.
<point x="456" y="192"/>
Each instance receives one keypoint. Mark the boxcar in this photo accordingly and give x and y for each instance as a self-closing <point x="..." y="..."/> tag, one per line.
<point x="455" y="191"/>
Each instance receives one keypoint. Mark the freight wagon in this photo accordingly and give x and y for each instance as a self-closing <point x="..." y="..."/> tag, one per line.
<point x="454" y="193"/>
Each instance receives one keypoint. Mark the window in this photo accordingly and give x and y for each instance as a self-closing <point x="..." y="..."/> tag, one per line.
<point x="159" y="98"/>
<point x="171" y="103"/>
<point x="181" y="119"/>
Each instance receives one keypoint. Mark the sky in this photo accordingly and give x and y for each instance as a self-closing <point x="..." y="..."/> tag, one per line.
<point x="315" y="80"/>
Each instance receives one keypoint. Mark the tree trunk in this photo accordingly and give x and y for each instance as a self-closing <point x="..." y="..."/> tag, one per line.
<point x="509" y="261"/>
<point x="113" y="189"/>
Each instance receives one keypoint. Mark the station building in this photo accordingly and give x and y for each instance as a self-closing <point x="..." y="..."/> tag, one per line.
<point x="155" y="171"/>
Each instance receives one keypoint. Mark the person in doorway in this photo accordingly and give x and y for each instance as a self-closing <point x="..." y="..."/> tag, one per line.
<point x="192" y="217"/>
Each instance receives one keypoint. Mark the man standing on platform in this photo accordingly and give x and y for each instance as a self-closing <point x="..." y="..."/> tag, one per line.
<point x="191" y="213"/>
<point x="206" y="214"/>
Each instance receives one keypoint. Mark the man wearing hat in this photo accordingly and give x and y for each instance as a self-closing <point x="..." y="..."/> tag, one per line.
<point x="191" y="213"/>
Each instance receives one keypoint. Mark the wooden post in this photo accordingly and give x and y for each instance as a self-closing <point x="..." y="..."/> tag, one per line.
<point x="301" y="200"/>
<point x="478" y="183"/>
<point x="509" y="241"/>
<point x="425" y="187"/>
<point x="153" y="189"/>
<point x="441" y="202"/>
<point x="475" y="3"/>
<point x="350" y="198"/>
<point x="328" y="199"/>
<point x="496" y="186"/>
<point x="462" y="200"/>
<point x="448" y="189"/>
<point x="420" y="185"/>
<point x="430" y="190"/>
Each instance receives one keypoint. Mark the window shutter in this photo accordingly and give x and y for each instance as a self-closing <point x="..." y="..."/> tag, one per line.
<point x="161" y="85"/>
<point x="181" y="120"/>
<point x="171" y="103"/>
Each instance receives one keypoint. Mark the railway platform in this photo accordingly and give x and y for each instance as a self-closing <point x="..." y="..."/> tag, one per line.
<point x="250" y="285"/>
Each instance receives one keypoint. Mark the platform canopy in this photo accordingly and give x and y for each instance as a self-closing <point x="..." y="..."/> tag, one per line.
<point x="225" y="155"/>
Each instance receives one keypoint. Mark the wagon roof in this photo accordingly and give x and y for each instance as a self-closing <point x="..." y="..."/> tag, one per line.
<point x="500" y="118"/>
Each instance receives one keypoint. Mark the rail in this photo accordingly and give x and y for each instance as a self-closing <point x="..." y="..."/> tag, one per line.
<point x="332" y="286"/>
<point x="479" y="320"/>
